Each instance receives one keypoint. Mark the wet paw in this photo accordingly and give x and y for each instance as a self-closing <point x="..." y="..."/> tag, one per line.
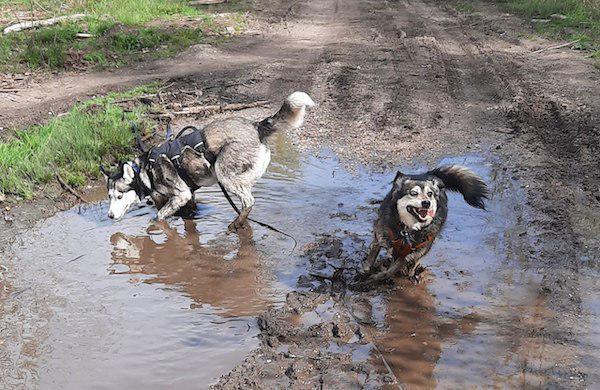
<point x="235" y="226"/>
<point x="420" y="269"/>
<point x="231" y="228"/>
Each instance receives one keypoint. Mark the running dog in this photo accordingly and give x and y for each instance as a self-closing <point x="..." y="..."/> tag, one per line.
<point x="413" y="213"/>
<point x="232" y="152"/>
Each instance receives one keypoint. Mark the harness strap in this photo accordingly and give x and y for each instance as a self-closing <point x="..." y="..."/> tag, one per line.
<point x="402" y="245"/>
<point x="265" y="225"/>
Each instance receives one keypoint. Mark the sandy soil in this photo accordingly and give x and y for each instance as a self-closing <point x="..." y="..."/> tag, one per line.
<point x="397" y="83"/>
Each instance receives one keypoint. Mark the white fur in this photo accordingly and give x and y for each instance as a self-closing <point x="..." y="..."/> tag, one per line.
<point x="128" y="173"/>
<point x="300" y="99"/>
<point x="242" y="185"/>
<point x="409" y="219"/>
<point x="121" y="202"/>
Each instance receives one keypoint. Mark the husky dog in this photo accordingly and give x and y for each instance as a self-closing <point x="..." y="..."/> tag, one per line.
<point x="413" y="213"/>
<point x="233" y="152"/>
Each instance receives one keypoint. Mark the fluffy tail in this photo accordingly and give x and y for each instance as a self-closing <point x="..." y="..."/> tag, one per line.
<point x="462" y="179"/>
<point x="289" y="116"/>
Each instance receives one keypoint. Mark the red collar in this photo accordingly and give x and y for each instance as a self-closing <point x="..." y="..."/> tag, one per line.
<point x="402" y="245"/>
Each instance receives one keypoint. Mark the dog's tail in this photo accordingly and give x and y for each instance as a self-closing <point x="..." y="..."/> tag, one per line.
<point x="462" y="179"/>
<point x="289" y="116"/>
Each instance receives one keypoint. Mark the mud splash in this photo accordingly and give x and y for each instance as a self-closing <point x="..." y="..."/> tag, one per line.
<point x="132" y="303"/>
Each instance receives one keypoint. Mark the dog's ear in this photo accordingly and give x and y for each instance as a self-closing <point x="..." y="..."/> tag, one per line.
<point x="104" y="173"/>
<point x="437" y="182"/>
<point x="141" y="146"/>
<point x="169" y="135"/>
<point x="399" y="175"/>
<point x="128" y="173"/>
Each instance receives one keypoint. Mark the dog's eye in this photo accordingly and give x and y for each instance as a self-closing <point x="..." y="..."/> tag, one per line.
<point x="430" y="194"/>
<point x="414" y="193"/>
<point x="120" y="196"/>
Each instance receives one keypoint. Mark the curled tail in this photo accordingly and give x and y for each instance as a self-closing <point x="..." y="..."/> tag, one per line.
<point x="462" y="179"/>
<point x="289" y="116"/>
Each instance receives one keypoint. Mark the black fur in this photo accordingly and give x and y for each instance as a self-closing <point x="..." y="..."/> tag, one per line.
<point x="389" y="227"/>
<point x="473" y="189"/>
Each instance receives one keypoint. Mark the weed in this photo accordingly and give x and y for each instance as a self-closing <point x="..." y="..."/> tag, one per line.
<point x="119" y="33"/>
<point x="569" y="19"/>
<point x="72" y="145"/>
<point x="465" y="7"/>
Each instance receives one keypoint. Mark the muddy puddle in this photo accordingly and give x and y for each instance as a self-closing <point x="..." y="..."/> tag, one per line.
<point x="104" y="304"/>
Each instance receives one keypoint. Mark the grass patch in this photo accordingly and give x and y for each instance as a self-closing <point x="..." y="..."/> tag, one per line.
<point x="58" y="47"/>
<point x="128" y="12"/>
<point x="568" y="19"/>
<point x="73" y="145"/>
<point x="465" y="7"/>
<point x="121" y="31"/>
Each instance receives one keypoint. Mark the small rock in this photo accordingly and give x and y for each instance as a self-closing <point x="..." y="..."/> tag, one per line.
<point x="230" y="30"/>
<point x="2" y="197"/>
<point x="558" y="16"/>
<point x="540" y="21"/>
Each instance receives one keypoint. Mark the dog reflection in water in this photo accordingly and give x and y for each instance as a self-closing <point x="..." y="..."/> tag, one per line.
<point x="237" y="287"/>
<point x="413" y="335"/>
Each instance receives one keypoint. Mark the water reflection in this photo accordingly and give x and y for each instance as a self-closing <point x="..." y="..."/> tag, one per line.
<point x="412" y="335"/>
<point x="231" y="282"/>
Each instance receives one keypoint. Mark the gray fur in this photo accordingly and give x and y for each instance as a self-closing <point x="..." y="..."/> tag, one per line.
<point x="240" y="155"/>
<point x="393" y="221"/>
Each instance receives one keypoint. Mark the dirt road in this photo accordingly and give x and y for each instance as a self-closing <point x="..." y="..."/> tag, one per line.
<point x="404" y="84"/>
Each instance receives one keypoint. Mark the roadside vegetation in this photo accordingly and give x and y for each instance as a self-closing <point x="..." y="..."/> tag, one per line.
<point x="572" y="20"/>
<point x="112" y="34"/>
<point x="71" y="146"/>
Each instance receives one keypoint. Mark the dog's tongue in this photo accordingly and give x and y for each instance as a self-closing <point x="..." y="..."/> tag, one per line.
<point x="431" y="213"/>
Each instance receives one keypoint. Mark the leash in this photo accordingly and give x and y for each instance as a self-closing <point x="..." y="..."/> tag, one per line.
<point x="263" y="224"/>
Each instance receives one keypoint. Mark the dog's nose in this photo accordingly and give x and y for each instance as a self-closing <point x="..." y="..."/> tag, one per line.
<point x="425" y="204"/>
<point x="111" y="215"/>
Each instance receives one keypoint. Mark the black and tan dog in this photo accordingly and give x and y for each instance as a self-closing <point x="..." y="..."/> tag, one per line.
<point x="412" y="215"/>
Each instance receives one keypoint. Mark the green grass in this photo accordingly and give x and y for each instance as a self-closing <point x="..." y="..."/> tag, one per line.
<point x="465" y="6"/>
<point x="582" y="19"/>
<point x="128" y="12"/>
<point x="58" y="47"/>
<point x="73" y="145"/>
<point x="122" y="32"/>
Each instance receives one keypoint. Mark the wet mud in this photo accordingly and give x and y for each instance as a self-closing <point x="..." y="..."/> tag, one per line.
<point x="179" y="303"/>
<point x="510" y="295"/>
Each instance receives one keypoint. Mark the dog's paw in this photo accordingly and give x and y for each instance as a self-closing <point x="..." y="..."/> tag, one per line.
<point x="414" y="279"/>
<point x="232" y="227"/>
<point x="420" y="269"/>
<point x="419" y="275"/>
<point x="236" y="225"/>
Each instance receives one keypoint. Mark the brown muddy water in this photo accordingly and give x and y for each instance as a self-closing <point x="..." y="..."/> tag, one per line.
<point x="104" y="304"/>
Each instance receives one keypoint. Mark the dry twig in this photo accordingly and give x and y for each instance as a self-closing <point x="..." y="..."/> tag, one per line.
<point x="557" y="46"/>
<point x="70" y="189"/>
<point x="215" y="108"/>
<point x="37" y="23"/>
